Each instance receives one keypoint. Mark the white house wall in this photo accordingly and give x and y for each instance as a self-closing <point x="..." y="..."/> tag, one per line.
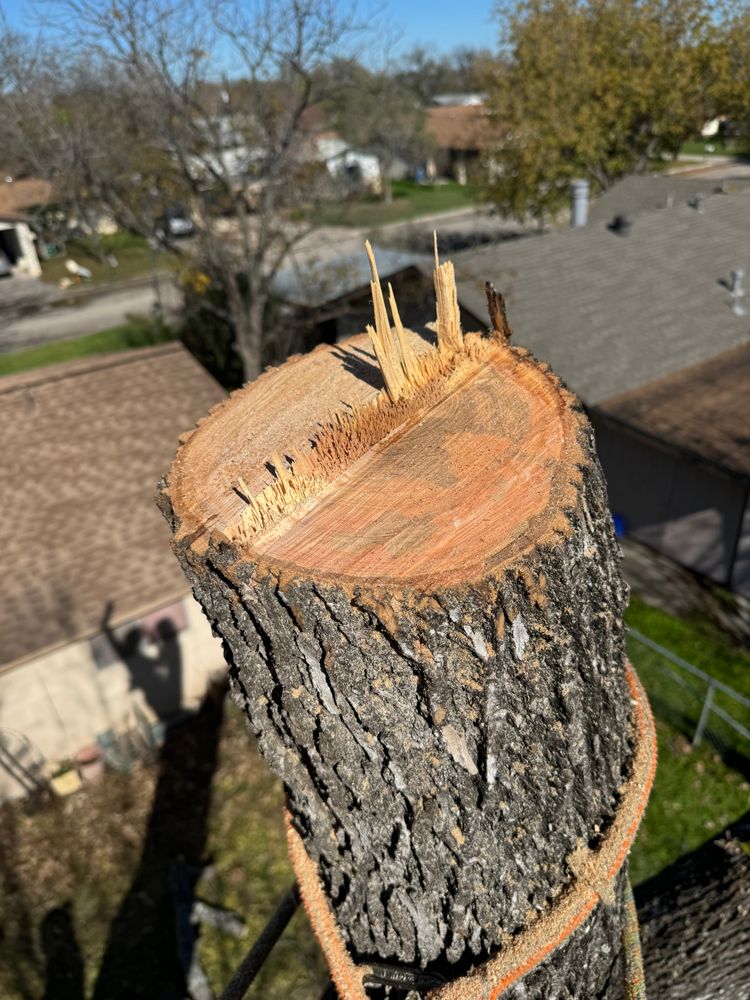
<point x="61" y="701"/>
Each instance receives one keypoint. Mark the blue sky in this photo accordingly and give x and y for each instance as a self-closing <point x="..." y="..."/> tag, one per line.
<point x="435" y="24"/>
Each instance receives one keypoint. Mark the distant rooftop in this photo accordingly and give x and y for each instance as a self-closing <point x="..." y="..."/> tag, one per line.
<point x="16" y="196"/>
<point x="84" y="445"/>
<point x="459" y="100"/>
<point x="318" y="282"/>
<point x="704" y="409"/>
<point x="610" y="312"/>
<point x="648" y="192"/>
<point x="457" y="127"/>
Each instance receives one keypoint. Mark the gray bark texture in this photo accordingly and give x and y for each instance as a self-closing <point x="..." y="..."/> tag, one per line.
<point x="443" y="752"/>
<point x="695" y="922"/>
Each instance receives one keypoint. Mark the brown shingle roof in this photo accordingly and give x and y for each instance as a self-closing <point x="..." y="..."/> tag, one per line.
<point x="28" y="192"/>
<point x="84" y="444"/>
<point x="704" y="409"/>
<point x="461" y="127"/>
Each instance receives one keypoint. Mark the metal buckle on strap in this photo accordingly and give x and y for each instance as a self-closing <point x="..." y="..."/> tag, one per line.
<point x="402" y="977"/>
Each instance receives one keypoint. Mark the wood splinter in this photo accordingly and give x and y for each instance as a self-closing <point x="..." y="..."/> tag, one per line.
<point x="412" y="383"/>
<point x="498" y="316"/>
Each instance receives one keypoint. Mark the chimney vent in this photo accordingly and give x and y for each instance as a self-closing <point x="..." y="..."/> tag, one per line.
<point x="580" y="208"/>
<point x="737" y="292"/>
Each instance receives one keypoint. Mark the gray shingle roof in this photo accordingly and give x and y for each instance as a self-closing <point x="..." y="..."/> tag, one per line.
<point x="84" y="445"/>
<point x="649" y="192"/>
<point x="610" y="312"/>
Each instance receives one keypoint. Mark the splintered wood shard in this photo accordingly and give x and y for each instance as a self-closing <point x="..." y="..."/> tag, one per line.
<point x="413" y="383"/>
<point x="450" y="337"/>
<point x="394" y="354"/>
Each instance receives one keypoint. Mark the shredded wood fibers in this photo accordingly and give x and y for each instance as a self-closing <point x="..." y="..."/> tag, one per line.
<point x="413" y="384"/>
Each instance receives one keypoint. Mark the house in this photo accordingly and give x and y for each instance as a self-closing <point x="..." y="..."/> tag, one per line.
<point x="18" y="197"/>
<point x="17" y="246"/>
<point x="99" y="632"/>
<point x="458" y="133"/>
<point x="331" y="299"/>
<point x="343" y="162"/>
<point x="691" y="432"/>
<point x="23" y="194"/>
<point x="650" y="308"/>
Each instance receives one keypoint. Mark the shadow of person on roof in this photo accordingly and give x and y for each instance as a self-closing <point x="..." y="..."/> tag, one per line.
<point x="141" y="958"/>
<point x="153" y="661"/>
<point x="62" y="956"/>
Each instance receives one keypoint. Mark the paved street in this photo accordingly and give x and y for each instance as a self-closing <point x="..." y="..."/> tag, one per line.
<point x="100" y="313"/>
<point x="456" y="230"/>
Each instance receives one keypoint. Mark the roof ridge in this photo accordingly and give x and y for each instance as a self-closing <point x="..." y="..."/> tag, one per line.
<point x="83" y="366"/>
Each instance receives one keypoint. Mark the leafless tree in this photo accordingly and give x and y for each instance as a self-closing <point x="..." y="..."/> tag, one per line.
<point x="207" y="103"/>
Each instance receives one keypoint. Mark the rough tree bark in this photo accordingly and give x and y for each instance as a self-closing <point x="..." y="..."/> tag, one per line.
<point x="695" y="921"/>
<point x="430" y="652"/>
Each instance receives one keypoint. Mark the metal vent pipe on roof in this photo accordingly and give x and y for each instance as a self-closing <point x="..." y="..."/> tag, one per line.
<point x="580" y="207"/>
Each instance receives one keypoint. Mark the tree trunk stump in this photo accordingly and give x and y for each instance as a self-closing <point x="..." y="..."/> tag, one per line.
<point x="430" y="649"/>
<point x="695" y="921"/>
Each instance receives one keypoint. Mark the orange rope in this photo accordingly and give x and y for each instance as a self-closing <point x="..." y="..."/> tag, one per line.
<point x="549" y="931"/>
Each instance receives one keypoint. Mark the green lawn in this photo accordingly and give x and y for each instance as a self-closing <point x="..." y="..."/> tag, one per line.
<point x="698" y="147"/>
<point x="695" y="794"/>
<point x="133" y="255"/>
<point x="696" y="640"/>
<point x="136" y="333"/>
<point x="410" y="201"/>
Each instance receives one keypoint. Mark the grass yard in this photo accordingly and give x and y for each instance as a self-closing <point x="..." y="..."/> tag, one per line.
<point x="710" y="147"/>
<point x="695" y="794"/>
<point x="410" y="201"/>
<point x="84" y="881"/>
<point x="136" y="333"/>
<point x="85" y="905"/>
<point x="134" y="258"/>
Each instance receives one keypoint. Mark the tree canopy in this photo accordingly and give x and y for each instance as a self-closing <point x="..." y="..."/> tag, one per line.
<point x="599" y="89"/>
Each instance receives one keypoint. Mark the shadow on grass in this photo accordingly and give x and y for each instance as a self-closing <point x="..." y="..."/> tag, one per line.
<point x="141" y="955"/>
<point x="63" y="964"/>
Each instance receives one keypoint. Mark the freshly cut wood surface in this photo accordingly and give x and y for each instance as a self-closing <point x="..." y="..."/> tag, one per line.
<point x="472" y="481"/>
<point x="265" y="416"/>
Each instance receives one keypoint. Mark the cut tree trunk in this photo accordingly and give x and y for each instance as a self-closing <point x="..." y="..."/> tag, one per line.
<point x="695" y="921"/>
<point x="430" y="647"/>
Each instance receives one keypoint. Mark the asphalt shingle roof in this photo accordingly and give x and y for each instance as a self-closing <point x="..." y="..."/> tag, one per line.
<point x="704" y="409"/>
<point x="84" y="445"/>
<point x="611" y="313"/>
<point x="649" y="192"/>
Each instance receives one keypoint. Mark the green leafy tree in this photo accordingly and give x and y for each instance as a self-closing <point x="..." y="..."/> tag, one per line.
<point x="598" y="89"/>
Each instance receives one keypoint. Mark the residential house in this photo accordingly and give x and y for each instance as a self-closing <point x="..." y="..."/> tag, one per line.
<point x="99" y="632"/>
<point x="690" y="433"/>
<point x="330" y="297"/>
<point x="458" y="132"/>
<point x="648" y="308"/>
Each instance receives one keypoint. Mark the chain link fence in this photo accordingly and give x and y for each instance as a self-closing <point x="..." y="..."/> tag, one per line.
<point x="691" y="700"/>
